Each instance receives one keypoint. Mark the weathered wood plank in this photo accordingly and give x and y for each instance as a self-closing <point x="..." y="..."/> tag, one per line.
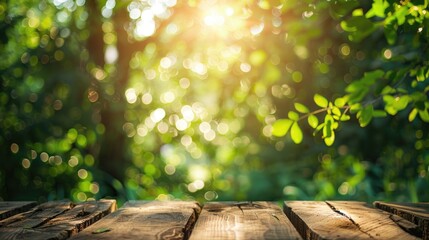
<point x="316" y="220"/>
<point x="417" y="213"/>
<point x="243" y="220"/>
<point x="55" y="220"/>
<point x="78" y="218"/>
<point x="38" y="215"/>
<point x="375" y="223"/>
<point x="342" y="220"/>
<point x="8" y="209"/>
<point x="146" y="220"/>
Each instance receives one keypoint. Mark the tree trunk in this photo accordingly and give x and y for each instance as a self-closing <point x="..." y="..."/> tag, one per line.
<point x="112" y="158"/>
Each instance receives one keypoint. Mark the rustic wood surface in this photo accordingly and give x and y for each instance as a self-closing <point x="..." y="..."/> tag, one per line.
<point x="243" y="220"/>
<point x="8" y="209"/>
<point x="54" y="220"/>
<point x="146" y="220"/>
<point x="343" y="220"/>
<point x="417" y="213"/>
<point x="217" y="220"/>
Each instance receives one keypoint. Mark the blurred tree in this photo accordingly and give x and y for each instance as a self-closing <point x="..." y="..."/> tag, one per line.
<point x="187" y="99"/>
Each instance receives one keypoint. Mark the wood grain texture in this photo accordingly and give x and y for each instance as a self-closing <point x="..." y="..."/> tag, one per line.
<point x="54" y="220"/>
<point x="243" y="220"/>
<point x="342" y="220"/>
<point x="417" y="213"/>
<point x="38" y="215"/>
<point x="8" y="209"/>
<point x="376" y="223"/>
<point x="146" y="220"/>
<point x="316" y="220"/>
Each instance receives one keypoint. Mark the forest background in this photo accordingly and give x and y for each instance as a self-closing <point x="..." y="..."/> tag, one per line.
<point x="214" y="100"/>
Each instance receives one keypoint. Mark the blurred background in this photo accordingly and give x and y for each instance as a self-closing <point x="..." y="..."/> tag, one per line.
<point x="166" y="99"/>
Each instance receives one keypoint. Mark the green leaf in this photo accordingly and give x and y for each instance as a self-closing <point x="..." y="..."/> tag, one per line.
<point x="365" y="115"/>
<point x="379" y="113"/>
<point x="342" y="8"/>
<point x="355" y="108"/>
<point x="401" y="14"/>
<point x="330" y="140"/>
<point x="344" y="117"/>
<point x="293" y="115"/>
<point x="328" y="127"/>
<point x="390" y="33"/>
<point x="318" y="128"/>
<point x="358" y="27"/>
<point x="101" y="230"/>
<point x="320" y="100"/>
<point x="401" y="103"/>
<point x="328" y="130"/>
<point x="388" y="90"/>
<point x="301" y="108"/>
<point x="369" y="78"/>
<point x="412" y="114"/>
<point x="296" y="133"/>
<point x="340" y="102"/>
<point x="378" y="7"/>
<point x="281" y="127"/>
<point x="313" y="121"/>
<point x="424" y="115"/>
<point x="420" y="75"/>
<point x="336" y="111"/>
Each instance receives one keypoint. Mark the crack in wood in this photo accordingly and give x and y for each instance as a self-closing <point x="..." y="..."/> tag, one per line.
<point x="239" y="206"/>
<point x="251" y="204"/>
<point x="187" y="230"/>
<point x="349" y="218"/>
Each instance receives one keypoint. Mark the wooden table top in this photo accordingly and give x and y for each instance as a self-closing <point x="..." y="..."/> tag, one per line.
<point x="213" y="220"/>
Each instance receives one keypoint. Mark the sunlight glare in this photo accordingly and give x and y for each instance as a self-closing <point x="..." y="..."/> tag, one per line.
<point x="186" y="140"/>
<point x="210" y="135"/>
<point x="145" y="28"/>
<point x="197" y="172"/>
<point x="168" y="97"/>
<point x="147" y="98"/>
<point x="229" y="11"/>
<point x="257" y="29"/>
<point x="214" y="19"/>
<point x="111" y="54"/>
<point x="157" y="115"/>
<point x="187" y="113"/>
<point x="181" y="125"/>
<point x="222" y="128"/>
<point x="199" y="68"/>
<point x="204" y="127"/>
<point x="131" y="95"/>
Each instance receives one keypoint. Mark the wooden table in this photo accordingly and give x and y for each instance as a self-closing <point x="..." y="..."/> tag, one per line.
<point x="213" y="220"/>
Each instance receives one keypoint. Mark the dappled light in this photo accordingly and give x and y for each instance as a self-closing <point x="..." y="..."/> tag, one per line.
<point x="214" y="100"/>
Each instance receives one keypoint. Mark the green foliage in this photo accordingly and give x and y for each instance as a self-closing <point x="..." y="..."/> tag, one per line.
<point x="363" y="94"/>
<point x="206" y="100"/>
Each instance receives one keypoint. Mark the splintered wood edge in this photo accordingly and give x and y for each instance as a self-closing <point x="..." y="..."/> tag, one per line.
<point x="299" y="224"/>
<point x="15" y="208"/>
<point x="104" y="208"/>
<point x="403" y="211"/>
